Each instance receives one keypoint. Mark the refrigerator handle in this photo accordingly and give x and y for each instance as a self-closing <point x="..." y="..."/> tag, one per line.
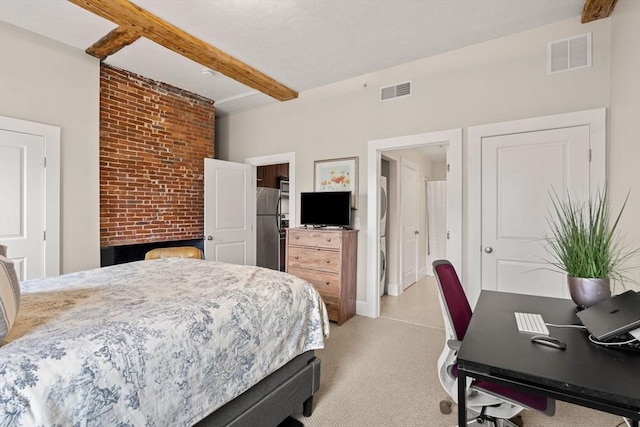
<point x="278" y="215"/>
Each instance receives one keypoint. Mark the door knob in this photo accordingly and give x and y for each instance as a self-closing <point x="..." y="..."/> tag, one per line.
<point x="488" y="249"/>
<point x="209" y="237"/>
<point x="416" y="232"/>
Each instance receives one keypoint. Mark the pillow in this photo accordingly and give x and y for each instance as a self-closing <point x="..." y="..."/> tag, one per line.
<point x="9" y="294"/>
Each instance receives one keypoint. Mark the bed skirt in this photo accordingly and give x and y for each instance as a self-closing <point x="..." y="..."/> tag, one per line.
<point x="273" y="399"/>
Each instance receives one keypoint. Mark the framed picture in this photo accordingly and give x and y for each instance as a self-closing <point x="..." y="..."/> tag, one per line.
<point x="337" y="175"/>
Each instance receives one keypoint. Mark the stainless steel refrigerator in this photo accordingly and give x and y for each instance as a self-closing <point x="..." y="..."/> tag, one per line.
<point x="268" y="228"/>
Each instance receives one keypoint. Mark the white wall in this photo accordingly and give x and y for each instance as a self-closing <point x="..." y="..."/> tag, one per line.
<point x="624" y="123"/>
<point x="505" y="79"/>
<point x="496" y="81"/>
<point x="49" y="82"/>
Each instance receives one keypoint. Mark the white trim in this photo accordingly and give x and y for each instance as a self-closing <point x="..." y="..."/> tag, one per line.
<point x="453" y="139"/>
<point x="393" y="289"/>
<point x="51" y="135"/>
<point x="273" y="159"/>
<point x="595" y="119"/>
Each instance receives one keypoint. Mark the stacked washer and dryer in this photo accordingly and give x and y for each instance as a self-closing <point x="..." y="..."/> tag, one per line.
<point x="383" y="233"/>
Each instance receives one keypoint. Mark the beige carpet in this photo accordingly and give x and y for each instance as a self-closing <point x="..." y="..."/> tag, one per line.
<point x="382" y="372"/>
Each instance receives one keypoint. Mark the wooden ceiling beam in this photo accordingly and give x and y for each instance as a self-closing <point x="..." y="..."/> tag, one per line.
<point x="134" y="19"/>
<point x="597" y="9"/>
<point x="113" y="42"/>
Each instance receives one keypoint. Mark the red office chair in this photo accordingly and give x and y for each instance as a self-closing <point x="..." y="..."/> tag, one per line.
<point x="495" y="403"/>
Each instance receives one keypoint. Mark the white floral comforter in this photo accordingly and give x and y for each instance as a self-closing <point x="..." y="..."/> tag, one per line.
<point x="151" y="343"/>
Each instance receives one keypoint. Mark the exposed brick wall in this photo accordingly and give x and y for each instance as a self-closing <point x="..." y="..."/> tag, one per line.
<point x="153" y="139"/>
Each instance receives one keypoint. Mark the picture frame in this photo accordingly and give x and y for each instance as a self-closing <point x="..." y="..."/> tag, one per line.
<point x="337" y="175"/>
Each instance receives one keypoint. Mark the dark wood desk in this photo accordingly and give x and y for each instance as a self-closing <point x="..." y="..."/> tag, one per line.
<point x="584" y="374"/>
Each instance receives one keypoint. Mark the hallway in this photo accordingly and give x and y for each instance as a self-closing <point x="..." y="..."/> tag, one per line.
<point x="417" y="305"/>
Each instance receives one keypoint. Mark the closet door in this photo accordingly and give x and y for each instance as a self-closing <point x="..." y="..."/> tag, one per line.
<point x="519" y="172"/>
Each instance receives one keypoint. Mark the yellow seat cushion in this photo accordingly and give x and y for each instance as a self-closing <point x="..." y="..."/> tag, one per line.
<point x="174" y="252"/>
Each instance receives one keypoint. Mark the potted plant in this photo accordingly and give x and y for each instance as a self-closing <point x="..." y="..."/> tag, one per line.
<point x="584" y="243"/>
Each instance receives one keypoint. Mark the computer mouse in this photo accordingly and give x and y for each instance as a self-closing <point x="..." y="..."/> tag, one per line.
<point x="548" y="341"/>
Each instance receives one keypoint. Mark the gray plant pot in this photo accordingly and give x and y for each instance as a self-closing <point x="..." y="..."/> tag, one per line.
<point x="586" y="292"/>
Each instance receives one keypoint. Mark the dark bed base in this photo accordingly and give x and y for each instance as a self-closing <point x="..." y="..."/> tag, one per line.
<point x="273" y="399"/>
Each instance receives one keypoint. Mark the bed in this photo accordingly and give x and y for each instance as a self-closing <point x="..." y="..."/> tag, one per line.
<point x="171" y="341"/>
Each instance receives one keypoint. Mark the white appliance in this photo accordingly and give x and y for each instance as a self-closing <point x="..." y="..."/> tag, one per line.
<point x="383" y="206"/>
<point x="383" y="232"/>
<point x="383" y="263"/>
<point x="284" y="188"/>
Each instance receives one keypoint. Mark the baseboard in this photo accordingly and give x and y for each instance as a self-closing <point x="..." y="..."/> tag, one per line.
<point x="365" y="309"/>
<point x="393" y="289"/>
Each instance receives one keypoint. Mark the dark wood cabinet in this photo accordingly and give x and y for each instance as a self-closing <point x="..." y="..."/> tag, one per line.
<point x="271" y="175"/>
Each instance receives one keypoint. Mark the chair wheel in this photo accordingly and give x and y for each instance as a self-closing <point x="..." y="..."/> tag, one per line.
<point x="445" y="407"/>
<point x="517" y="420"/>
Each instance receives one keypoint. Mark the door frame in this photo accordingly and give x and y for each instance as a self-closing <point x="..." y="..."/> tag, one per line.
<point x="453" y="139"/>
<point x="274" y="159"/>
<point x="51" y="135"/>
<point x="595" y="119"/>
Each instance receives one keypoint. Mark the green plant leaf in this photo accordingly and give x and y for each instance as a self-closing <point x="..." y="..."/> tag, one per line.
<point x="584" y="241"/>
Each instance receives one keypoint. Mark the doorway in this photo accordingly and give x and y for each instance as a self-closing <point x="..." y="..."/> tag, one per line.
<point x="404" y="254"/>
<point x="278" y="177"/>
<point x="452" y="140"/>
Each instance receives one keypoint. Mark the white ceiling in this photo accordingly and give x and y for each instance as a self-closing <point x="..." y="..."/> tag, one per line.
<point x="302" y="44"/>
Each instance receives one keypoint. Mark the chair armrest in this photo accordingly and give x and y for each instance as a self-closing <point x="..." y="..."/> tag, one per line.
<point x="454" y="344"/>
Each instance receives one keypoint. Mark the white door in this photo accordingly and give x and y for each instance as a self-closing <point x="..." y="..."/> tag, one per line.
<point x="409" y="222"/>
<point x="518" y="173"/>
<point x="22" y="196"/>
<point x="230" y="212"/>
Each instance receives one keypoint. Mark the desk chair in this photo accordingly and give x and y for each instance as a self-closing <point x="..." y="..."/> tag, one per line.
<point x="495" y="403"/>
<point x="174" y="252"/>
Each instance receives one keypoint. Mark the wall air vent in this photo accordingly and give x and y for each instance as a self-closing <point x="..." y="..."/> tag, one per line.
<point x="569" y="54"/>
<point x="398" y="90"/>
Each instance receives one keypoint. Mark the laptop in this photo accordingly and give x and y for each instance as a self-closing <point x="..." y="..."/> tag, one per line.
<point x="614" y="316"/>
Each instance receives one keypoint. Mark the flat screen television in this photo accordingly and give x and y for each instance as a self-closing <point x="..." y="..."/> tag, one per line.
<point x="326" y="209"/>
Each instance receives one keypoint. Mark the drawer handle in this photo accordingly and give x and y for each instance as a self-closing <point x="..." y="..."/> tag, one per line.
<point x="297" y="237"/>
<point x="328" y="261"/>
<point x="296" y="257"/>
<point x="327" y="283"/>
<point x="329" y="239"/>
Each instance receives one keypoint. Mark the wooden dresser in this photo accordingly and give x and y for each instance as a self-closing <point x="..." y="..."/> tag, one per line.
<point x="328" y="259"/>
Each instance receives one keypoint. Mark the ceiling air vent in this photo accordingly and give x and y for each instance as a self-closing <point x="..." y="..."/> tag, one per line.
<point x="396" y="91"/>
<point x="569" y="54"/>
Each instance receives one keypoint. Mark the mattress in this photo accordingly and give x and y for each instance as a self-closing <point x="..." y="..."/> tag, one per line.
<point x="151" y="343"/>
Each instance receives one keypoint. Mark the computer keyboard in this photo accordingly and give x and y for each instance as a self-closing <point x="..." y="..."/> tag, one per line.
<point x="531" y="323"/>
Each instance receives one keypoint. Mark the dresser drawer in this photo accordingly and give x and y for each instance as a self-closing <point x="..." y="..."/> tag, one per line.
<point x="325" y="283"/>
<point x="316" y="239"/>
<point x="313" y="259"/>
